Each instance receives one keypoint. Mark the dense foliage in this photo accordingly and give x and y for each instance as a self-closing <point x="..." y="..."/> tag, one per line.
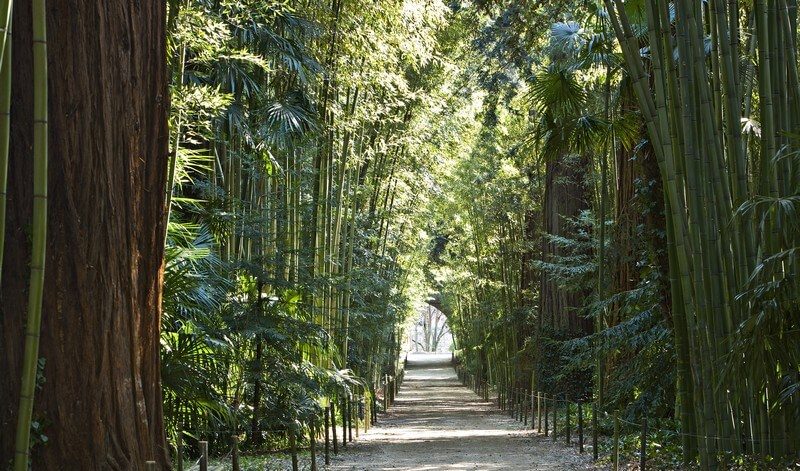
<point x="601" y="196"/>
<point x="651" y="146"/>
<point x="336" y="163"/>
<point x="292" y="259"/>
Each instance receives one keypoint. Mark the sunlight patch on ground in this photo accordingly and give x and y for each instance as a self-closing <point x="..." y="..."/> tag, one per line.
<point x="425" y="434"/>
<point x="437" y="424"/>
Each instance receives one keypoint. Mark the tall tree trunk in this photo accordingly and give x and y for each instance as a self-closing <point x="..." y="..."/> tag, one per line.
<point x="529" y="252"/>
<point x="656" y="224"/>
<point x="627" y="214"/>
<point x="564" y="198"/>
<point x="100" y="402"/>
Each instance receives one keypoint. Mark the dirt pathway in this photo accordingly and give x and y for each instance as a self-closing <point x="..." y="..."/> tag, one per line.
<point x="436" y="423"/>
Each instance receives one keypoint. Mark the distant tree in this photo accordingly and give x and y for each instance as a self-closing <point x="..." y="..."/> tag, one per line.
<point x="433" y="324"/>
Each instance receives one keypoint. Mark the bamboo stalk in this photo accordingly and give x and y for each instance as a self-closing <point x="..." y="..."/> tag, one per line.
<point x="39" y="237"/>
<point x="5" y="119"/>
<point x="694" y="115"/>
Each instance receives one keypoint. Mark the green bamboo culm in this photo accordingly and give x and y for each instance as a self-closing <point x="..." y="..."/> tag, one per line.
<point x="714" y="243"/>
<point x="39" y="236"/>
<point x="5" y="116"/>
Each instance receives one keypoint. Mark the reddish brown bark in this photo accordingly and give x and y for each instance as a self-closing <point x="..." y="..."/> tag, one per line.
<point x="627" y="215"/>
<point x="100" y="404"/>
<point x="565" y="197"/>
<point x="637" y="207"/>
<point x="529" y="254"/>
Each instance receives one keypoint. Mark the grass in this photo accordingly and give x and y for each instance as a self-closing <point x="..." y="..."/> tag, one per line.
<point x="268" y="462"/>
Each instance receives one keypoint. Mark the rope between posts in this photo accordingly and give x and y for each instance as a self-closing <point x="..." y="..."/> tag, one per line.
<point x="232" y="431"/>
<point x="651" y="428"/>
<point x="221" y="458"/>
<point x="229" y="454"/>
<point x="705" y="437"/>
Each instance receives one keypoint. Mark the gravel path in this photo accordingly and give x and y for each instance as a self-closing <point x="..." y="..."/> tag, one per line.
<point x="436" y="423"/>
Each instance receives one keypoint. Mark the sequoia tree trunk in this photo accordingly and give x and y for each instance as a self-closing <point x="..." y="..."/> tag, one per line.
<point x="565" y="197"/>
<point x="627" y="215"/>
<point x="99" y="403"/>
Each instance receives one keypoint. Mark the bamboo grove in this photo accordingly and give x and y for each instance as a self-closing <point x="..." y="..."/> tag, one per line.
<point x="726" y="230"/>
<point x="601" y="196"/>
<point x="288" y="269"/>
<point x="653" y="224"/>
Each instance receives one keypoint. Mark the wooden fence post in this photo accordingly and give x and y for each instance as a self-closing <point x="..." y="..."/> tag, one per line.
<point x="328" y="435"/>
<point x="526" y="400"/>
<point x="333" y="427"/>
<point x="555" y="418"/>
<point x="361" y="413"/>
<point x="344" y="421"/>
<point x="580" y="427"/>
<point x="312" y="438"/>
<point x="367" y="414"/>
<point x="374" y="408"/>
<point x="499" y="397"/>
<point x="643" y="450"/>
<point x="539" y="410"/>
<point x="293" y="446"/>
<point x="594" y="431"/>
<point x="567" y="427"/>
<point x="349" y="419"/>
<point x="514" y="400"/>
<point x="546" y="414"/>
<point x="356" y="413"/>
<point x="615" y="457"/>
<point x="203" y="455"/>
